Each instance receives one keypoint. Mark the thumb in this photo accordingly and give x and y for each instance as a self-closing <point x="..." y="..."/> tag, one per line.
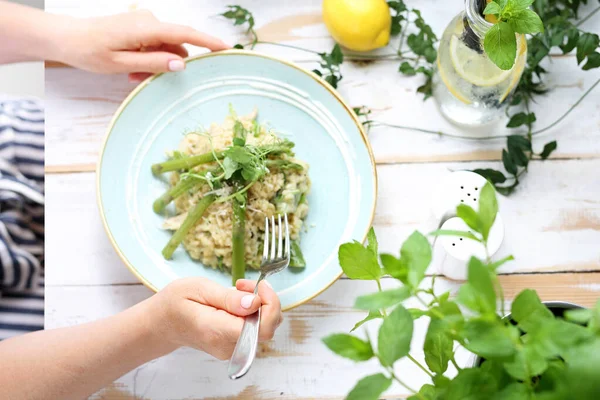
<point x="151" y="61"/>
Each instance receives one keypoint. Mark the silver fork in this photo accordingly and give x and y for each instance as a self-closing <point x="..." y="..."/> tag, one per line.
<point x="275" y="258"/>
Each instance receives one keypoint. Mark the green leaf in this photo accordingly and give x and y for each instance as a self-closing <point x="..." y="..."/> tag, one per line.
<point x="238" y="46"/>
<point x="427" y="392"/>
<point x="518" y="141"/>
<point x="370" y="388"/>
<point x="416" y="313"/>
<point x="593" y="61"/>
<point x="492" y="8"/>
<point x="488" y="209"/>
<point x="229" y="167"/>
<point x="548" y="149"/>
<point x="372" y="315"/>
<point x="526" y="364"/>
<point x="384" y="299"/>
<point x="478" y="293"/>
<point x="372" y="242"/>
<point x="468" y="215"/>
<point x="586" y="44"/>
<point x="514" y="391"/>
<point x="580" y="316"/>
<point x="495" y="265"/>
<point x="526" y="21"/>
<point x="527" y="309"/>
<point x="581" y="375"/>
<point x="508" y="163"/>
<point x="518" y="156"/>
<point x="438" y="347"/>
<point x="441" y="381"/>
<point x="407" y="69"/>
<point x="521" y="119"/>
<point x="415" y="254"/>
<point x="491" y="175"/>
<point x="445" y="232"/>
<point x="349" y="346"/>
<point x="519" y="5"/>
<point x="337" y="57"/>
<point x="394" y="267"/>
<point x="500" y="44"/>
<point x="358" y="262"/>
<point x="572" y="38"/>
<point x="394" y="336"/>
<point x="471" y="384"/>
<point x="239" y="154"/>
<point x="488" y="339"/>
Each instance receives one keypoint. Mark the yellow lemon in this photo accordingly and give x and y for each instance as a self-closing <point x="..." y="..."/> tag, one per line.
<point x="359" y="25"/>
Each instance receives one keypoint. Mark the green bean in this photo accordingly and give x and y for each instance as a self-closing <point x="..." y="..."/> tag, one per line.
<point x="238" y="263"/>
<point x="180" y="188"/>
<point x="192" y="161"/>
<point x="188" y="162"/>
<point x="283" y="164"/>
<point x="296" y="256"/>
<point x="193" y="216"/>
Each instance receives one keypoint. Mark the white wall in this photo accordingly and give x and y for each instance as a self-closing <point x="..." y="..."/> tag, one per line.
<point x="23" y="79"/>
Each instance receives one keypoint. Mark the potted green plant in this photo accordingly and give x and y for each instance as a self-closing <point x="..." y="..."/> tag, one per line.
<point x="540" y="351"/>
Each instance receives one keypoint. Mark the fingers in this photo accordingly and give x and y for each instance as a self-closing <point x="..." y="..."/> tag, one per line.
<point x="154" y="62"/>
<point x="213" y="331"/>
<point x="227" y="299"/>
<point x="179" y="34"/>
<point x="271" y="315"/>
<point x="175" y="49"/>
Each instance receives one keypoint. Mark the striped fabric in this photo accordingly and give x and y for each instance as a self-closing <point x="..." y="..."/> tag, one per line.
<point x="21" y="216"/>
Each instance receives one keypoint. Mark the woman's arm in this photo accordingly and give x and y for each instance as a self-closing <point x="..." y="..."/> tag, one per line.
<point x="26" y="33"/>
<point x="75" y="362"/>
<point x="135" y="42"/>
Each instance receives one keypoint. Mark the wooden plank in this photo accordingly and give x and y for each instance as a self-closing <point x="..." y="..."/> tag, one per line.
<point x="295" y="365"/>
<point x="80" y="106"/>
<point x="553" y="221"/>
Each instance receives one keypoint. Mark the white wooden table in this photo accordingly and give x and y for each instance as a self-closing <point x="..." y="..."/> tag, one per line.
<point x="552" y="221"/>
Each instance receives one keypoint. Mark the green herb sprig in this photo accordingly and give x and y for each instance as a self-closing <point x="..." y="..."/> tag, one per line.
<point x="562" y="32"/>
<point x="514" y="16"/>
<point x="533" y="355"/>
<point x="421" y="45"/>
<point x="330" y="66"/>
<point x="241" y="16"/>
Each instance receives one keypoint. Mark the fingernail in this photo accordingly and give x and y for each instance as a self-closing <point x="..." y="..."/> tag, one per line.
<point x="247" y="301"/>
<point x="176" y="65"/>
<point x="268" y="284"/>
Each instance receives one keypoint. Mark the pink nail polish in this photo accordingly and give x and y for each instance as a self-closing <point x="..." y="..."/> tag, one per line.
<point x="176" y="65"/>
<point x="247" y="301"/>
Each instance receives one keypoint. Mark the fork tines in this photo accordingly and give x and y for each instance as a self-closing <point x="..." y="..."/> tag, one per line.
<point x="276" y="249"/>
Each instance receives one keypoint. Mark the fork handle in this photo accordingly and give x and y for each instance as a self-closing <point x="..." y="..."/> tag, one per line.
<point x="245" y="349"/>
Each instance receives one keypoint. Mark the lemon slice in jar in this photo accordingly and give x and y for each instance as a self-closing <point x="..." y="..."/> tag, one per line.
<point x="473" y="67"/>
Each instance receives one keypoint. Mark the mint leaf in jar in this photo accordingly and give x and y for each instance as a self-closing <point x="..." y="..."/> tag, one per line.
<point x="500" y="44"/>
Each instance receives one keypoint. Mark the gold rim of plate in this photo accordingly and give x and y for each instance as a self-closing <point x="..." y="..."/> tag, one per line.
<point x="146" y="82"/>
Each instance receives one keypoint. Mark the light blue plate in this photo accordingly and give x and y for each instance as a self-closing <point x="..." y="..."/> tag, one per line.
<point x="293" y="101"/>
